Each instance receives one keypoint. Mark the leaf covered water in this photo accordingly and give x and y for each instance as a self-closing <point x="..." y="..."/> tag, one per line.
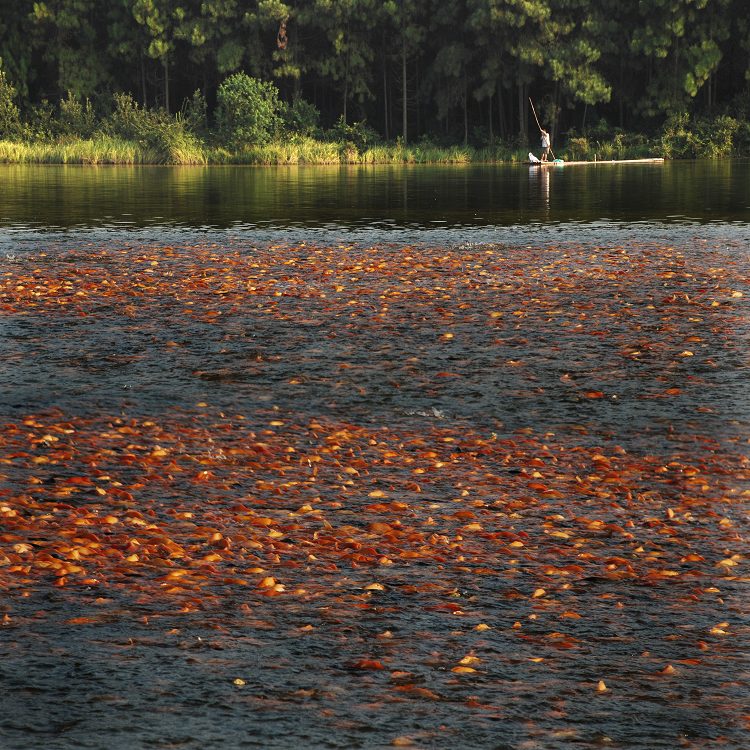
<point x="358" y="496"/>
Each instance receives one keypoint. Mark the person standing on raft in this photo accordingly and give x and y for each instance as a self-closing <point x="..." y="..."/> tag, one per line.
<point x="546" y="140"/>
<point x="546" y="144"/>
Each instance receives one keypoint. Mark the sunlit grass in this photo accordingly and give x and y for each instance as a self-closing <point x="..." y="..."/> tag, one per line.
<point x="103" y="149"/>
<point x="183" y="148"/>
<point x="99" y="150"/>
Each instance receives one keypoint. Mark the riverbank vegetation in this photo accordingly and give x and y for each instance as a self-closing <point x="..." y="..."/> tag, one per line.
<point x="321" y="81"/>
<point x="131" y="134"/>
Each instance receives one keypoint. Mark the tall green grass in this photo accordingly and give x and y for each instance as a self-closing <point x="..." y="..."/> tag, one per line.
<point x="297" y="151"/>
<point x="104" y="150"/>
<point x="101" y="149"/>
<point x="310" y="151"/>
<point x="617" y="146"/>
<point x="178" y="146"/>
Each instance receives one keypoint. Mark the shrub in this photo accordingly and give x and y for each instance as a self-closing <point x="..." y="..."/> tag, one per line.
<point x="600" y="129"/>
<point x="131" y="121"/>
<point x="301" y="118"/>
<point x="579" y="148"/>
<point x="742" y="139"/>
<point x="194" y="113"/>
<point x="76" y="118"/>
<point x="358" y="135"/>
<point x="480" y="136"/>
<point x="41" y="124"/>
<point x="248" y="109"/>
<point x="10" y="117"/>
<point x="165" y="139"/>
<point x="715" y="137"/>
<point x="683" y="138"/>
<point x="171" y="143"/>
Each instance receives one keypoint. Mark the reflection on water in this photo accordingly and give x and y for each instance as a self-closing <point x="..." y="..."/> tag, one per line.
<point x="539" y="188"/>
<point x="361" y="196"/>
<point x="671" y="202"/>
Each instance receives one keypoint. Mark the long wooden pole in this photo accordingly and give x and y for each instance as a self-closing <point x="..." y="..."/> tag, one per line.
<point x="539" y="126"/>
<point x="535" y="117"/>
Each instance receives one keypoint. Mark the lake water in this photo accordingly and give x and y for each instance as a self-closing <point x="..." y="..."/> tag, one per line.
<point x="361" y="457"/>
<point x="376" y="203"/>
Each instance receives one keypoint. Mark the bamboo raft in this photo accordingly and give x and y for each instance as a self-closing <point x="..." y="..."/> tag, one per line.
<point x="655" y="160"/>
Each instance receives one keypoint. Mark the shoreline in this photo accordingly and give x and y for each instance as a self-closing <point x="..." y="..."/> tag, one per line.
<point x="107" y="150"/>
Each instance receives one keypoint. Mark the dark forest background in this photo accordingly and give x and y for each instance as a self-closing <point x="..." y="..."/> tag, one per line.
<point x="456" y="70"/>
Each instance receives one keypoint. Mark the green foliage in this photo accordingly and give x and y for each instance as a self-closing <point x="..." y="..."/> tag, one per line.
<point x="67" y="34"/>
<point x="10" y="116"/>
<point x="129" y="120"/>
<point x="76" y="118"/>
<point x="717" y="136"/>
<point x="301" y="118"/>
<point x="165" y="139"/>
<point x="99" y="150"/>
<point x="347" y="56"/>
<point x="740" y="107"/>
<point x="686" y="138"/>
<point x="681" y="43"/>
<point x="578" y="149"/>
<point x="603" y="142"/>
<point x="358" y="134"/>
<point x="742" y="139"/>
<point x="158" y="18"/>
<point x="41" y="123"/>
<point x="194" y="113"/>
<point x="248" y="109"/>
<point x="462" y="70"/>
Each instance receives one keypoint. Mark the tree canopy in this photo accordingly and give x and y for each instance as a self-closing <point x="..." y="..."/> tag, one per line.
<point x="462" y="69"/>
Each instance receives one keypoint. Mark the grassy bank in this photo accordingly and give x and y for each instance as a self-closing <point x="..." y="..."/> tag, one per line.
<point x="104" y="149"/>
<point x="97" y="150"/>
<point x="174" y="145"/>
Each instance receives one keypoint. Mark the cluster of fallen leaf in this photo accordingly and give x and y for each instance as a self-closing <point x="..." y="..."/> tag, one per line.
<point x="591" y="321"/>
<point x="188" y="510"/>
<point x="194" y="506"/>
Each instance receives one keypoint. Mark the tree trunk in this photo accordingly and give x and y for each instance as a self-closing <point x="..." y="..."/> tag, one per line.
<point x="166" y="84"/>
<point x="143" y="80"/>
<point x="386" y="129"/>
<point x="346" y="85"/>
<point x="466" y="111"/>
<point x="297" y="86"/>
<point x="523" y="111"/>
<point x="501" y="124"/>
<point x="416" y="98"/>
<point x="675" y="73"/>
<point x="404" y="128"/>
<point x="489" y="112"/>
<point x="555" y="111"/>
<point x="621" y="96"/>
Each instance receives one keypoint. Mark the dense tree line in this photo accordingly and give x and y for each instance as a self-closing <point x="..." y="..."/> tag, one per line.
<point x="462" y="69"/>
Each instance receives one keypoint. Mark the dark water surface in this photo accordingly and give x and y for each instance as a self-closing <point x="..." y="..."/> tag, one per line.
<point x="374" y="203"/>
<point x="516" y="402"/>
